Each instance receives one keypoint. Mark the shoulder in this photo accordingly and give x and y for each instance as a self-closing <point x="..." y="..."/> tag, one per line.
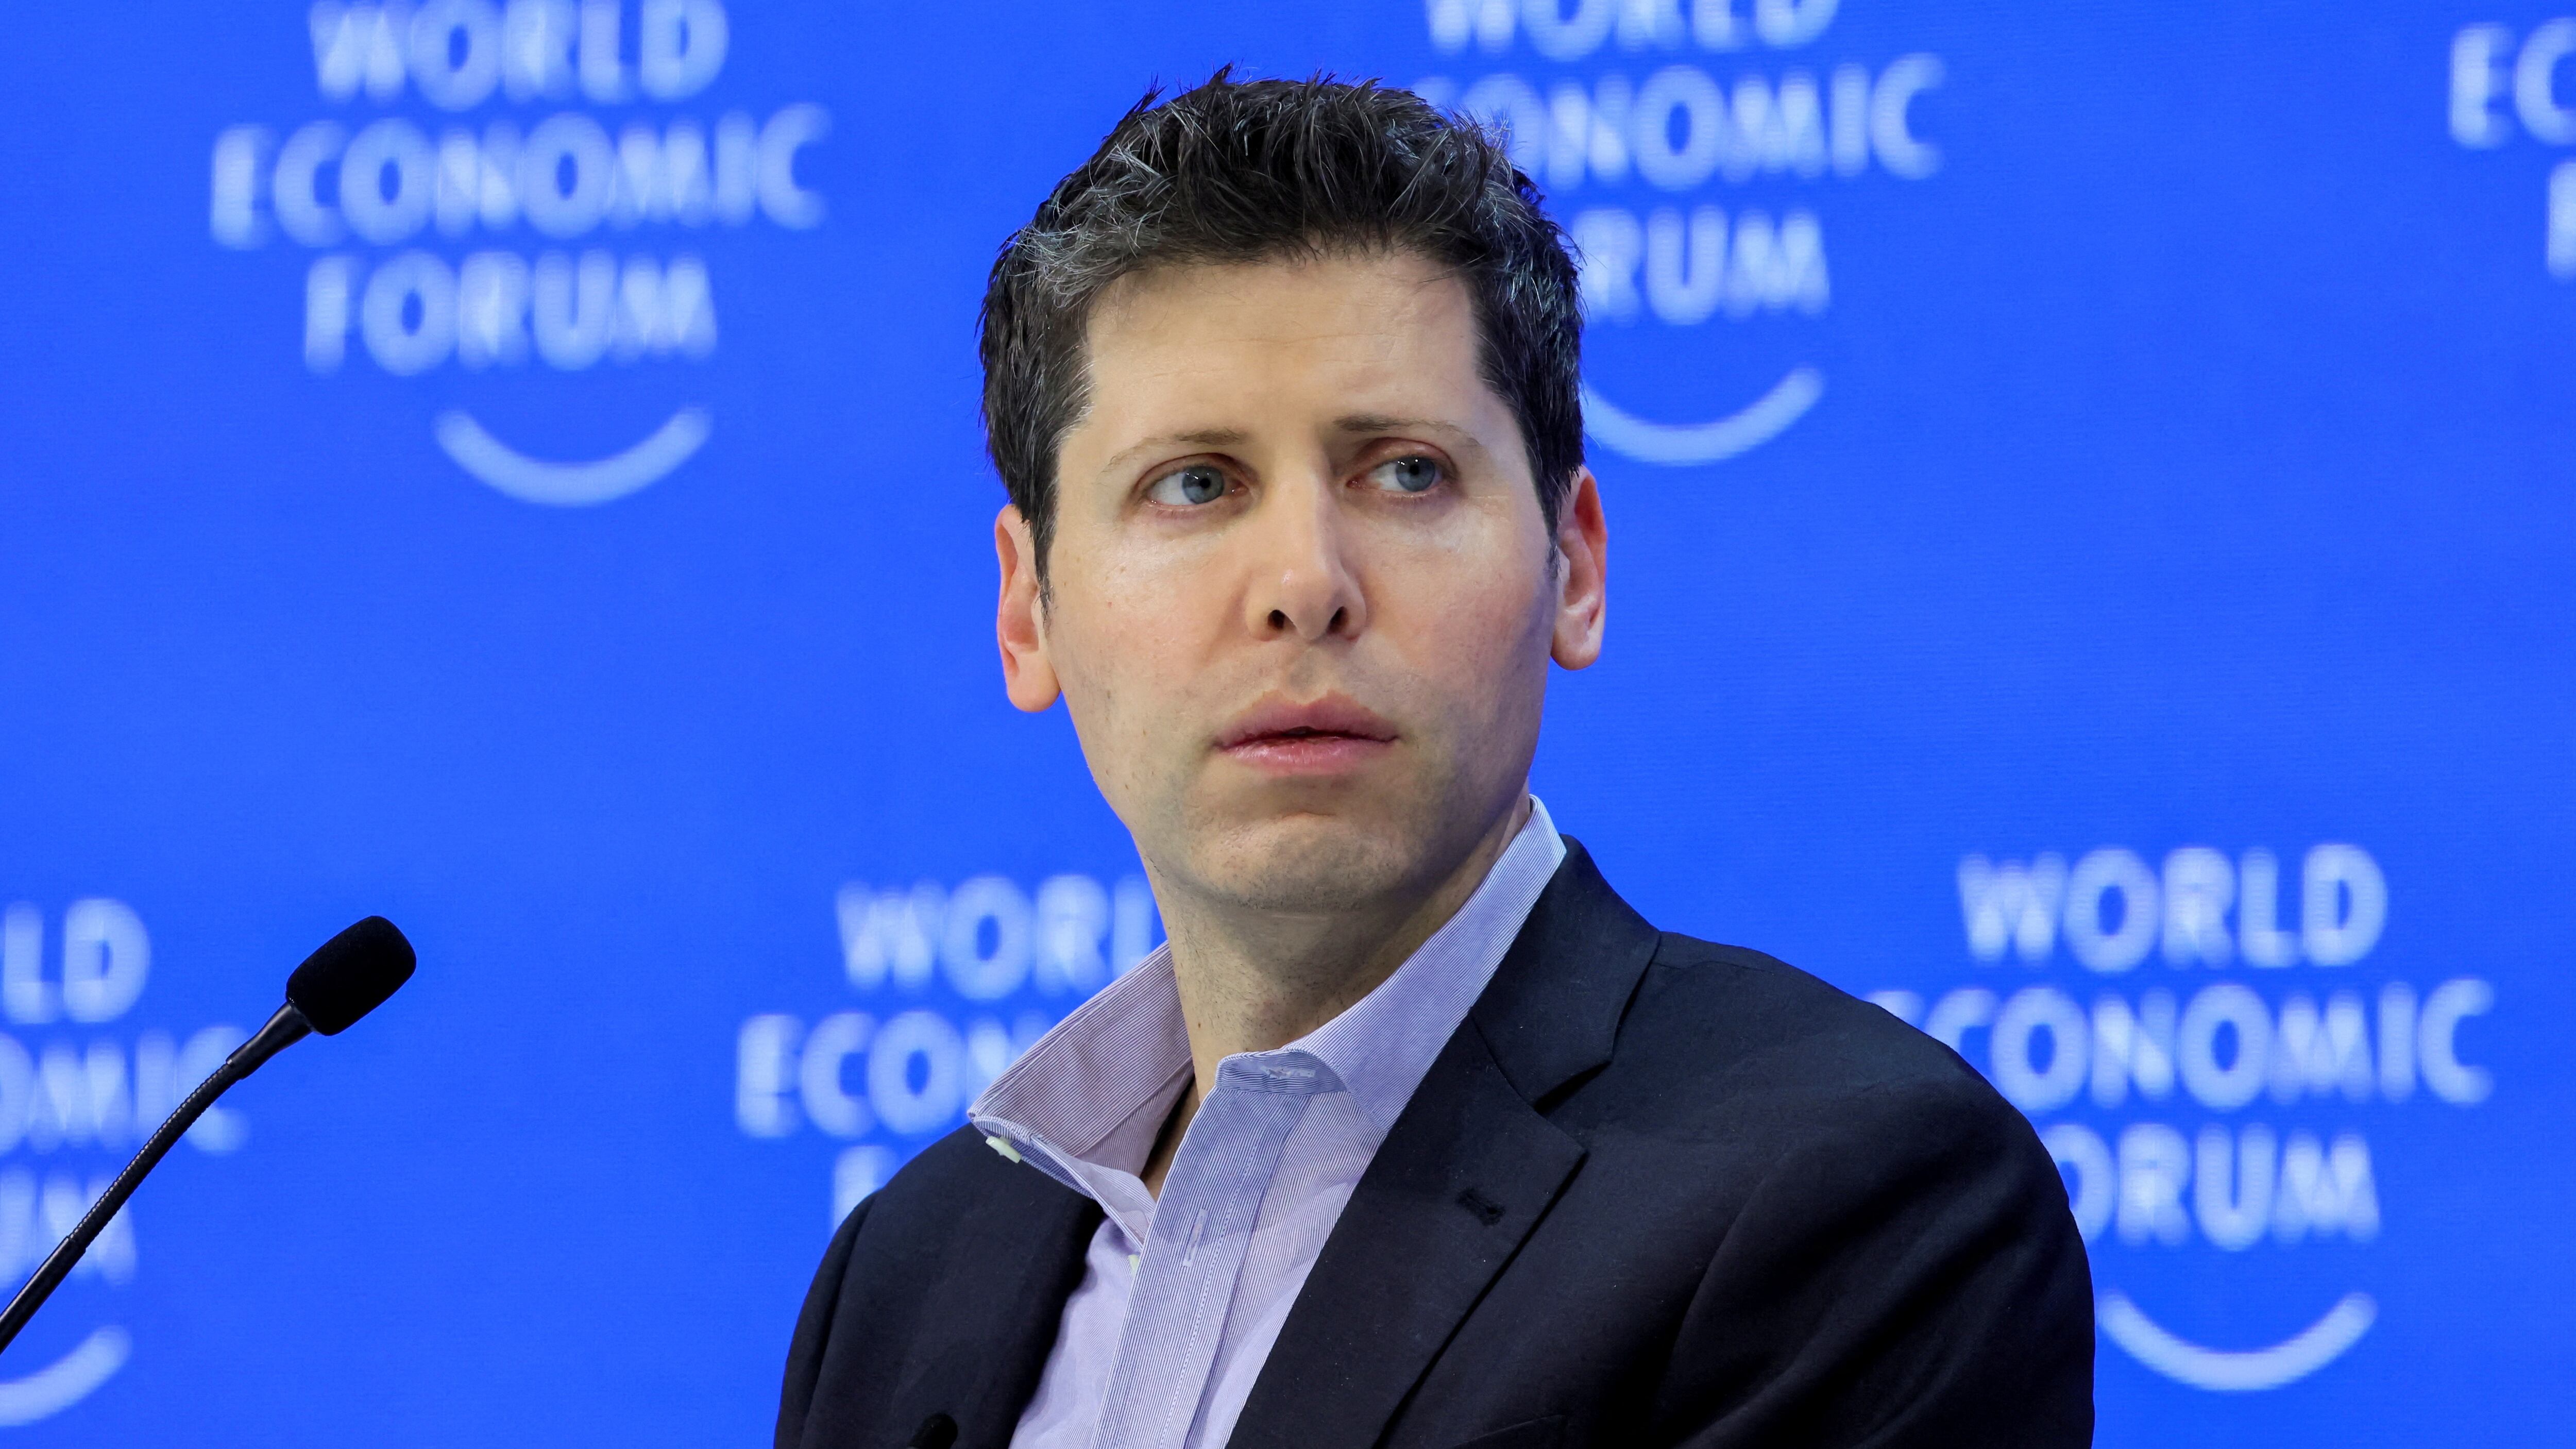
<point x="898" y="1221"/>
<point x="877" y="1291"/>
<point x="1736" y="1009"/>
<point x="918" y="1209"/>
<point x="960" y="1164"/>
<point x="1815" y="1143"/>
<point x="1884" y="1242"/>
<point x="1729" y="1039"/>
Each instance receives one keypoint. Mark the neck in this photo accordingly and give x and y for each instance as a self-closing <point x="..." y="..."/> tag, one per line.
<point x="1254" y="981"/>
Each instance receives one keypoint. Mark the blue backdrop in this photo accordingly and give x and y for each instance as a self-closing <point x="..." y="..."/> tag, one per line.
<point x="2093" y="555"/>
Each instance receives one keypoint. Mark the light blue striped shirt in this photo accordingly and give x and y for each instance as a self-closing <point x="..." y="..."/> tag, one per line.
<point x="1181" y="1298"/>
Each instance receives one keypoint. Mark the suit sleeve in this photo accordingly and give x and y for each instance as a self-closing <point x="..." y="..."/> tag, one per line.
<point x="1910" y="1276"/>
<point x="814" y="1331"/>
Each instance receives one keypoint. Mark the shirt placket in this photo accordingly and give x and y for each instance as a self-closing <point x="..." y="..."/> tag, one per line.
<point x="1187" y="1273"/>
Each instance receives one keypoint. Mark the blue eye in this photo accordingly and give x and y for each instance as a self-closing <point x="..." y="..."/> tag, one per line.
<point x="1188" y="487"/>
<point x="1405" y="475"/>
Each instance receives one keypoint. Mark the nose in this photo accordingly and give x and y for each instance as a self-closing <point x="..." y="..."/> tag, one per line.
<point x="1302" y="584"/>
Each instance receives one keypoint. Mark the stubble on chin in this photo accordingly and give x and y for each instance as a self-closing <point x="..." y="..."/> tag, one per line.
<point x="1301" y="865"/>
<point x="1333" y="858"/>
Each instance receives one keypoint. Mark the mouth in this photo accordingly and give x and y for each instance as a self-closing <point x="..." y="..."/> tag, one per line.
<point x="1329" y="736"/>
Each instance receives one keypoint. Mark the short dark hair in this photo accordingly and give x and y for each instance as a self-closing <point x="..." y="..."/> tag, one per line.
<point x="1246" y="171"/>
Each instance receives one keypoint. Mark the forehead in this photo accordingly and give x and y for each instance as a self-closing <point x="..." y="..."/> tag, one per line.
<point x="1369" y="331"/>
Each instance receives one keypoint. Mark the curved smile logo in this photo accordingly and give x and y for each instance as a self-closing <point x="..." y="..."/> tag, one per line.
<point x="75" y="1098"/>
<point x="461" y="201"/>
<point x="1650" y="157"/>
<point x="2218" y="1100"/>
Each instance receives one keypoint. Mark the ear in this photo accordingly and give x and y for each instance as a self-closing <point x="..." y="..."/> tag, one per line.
<point x="1019" y="621"/>
<point x="1582" y="584"/>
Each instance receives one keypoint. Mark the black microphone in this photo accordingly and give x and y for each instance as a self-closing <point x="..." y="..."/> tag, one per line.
<point x="348" y="977"/>
<point x="936" y="1432"/>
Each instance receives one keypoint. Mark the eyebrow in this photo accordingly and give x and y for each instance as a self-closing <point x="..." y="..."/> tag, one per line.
<point x="1204" y="437"/>
<point x="1351" y="423"/>
<point x="1452" y="436"/>
<point x="1382" y="423"/>
<point x="1196" y="438"/>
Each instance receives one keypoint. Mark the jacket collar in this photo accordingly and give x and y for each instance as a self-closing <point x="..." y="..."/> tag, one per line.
<point x="1553" y="1008"/>
<point x="1467" y="1172"/>
<point x="1015" y="1258"/>
<point x="1464" y="1175"/>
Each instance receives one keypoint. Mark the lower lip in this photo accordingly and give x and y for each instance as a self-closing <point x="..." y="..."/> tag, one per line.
<point x="1308" y="754"/>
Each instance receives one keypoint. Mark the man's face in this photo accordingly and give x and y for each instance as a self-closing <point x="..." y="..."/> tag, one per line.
<point x="1301" y="599"/>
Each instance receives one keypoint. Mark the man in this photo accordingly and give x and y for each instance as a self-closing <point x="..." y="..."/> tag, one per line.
<point x="1414" y="1134"/>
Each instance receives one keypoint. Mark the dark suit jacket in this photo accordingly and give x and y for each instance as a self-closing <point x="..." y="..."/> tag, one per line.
<point x="1653" y="1192"/>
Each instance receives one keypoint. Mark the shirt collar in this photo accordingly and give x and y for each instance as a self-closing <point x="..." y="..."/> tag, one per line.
<point x="1382" y="1044"/>
<point x="1085" y="1102"/>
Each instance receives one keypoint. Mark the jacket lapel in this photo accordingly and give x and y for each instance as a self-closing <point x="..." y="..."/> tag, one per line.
<point x="1010" y="1268"/>
<point x="1467" y="1171"/>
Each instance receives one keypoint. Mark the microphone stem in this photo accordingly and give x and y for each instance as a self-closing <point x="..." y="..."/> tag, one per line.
<point x="282" y="1031"/>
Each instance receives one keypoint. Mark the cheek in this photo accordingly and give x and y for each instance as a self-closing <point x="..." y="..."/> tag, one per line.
<point x="1128" y="651"/>
<point x="1472" y="625"/>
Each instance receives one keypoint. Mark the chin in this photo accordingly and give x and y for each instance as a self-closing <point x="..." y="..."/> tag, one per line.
<point x="1304" y="862"/>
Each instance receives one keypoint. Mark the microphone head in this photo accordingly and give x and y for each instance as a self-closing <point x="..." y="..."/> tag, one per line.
<point x="350" y="975"/>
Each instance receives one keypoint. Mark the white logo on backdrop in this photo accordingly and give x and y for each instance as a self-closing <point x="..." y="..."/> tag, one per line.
<point x="392" y="204"/>
<point x="1682" y="131"/>
<point x="2208" y="1039"/>
<point x="1016" y="960"/>
<point x="2504" y="84"/>
<point x="96" y="1095"/>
